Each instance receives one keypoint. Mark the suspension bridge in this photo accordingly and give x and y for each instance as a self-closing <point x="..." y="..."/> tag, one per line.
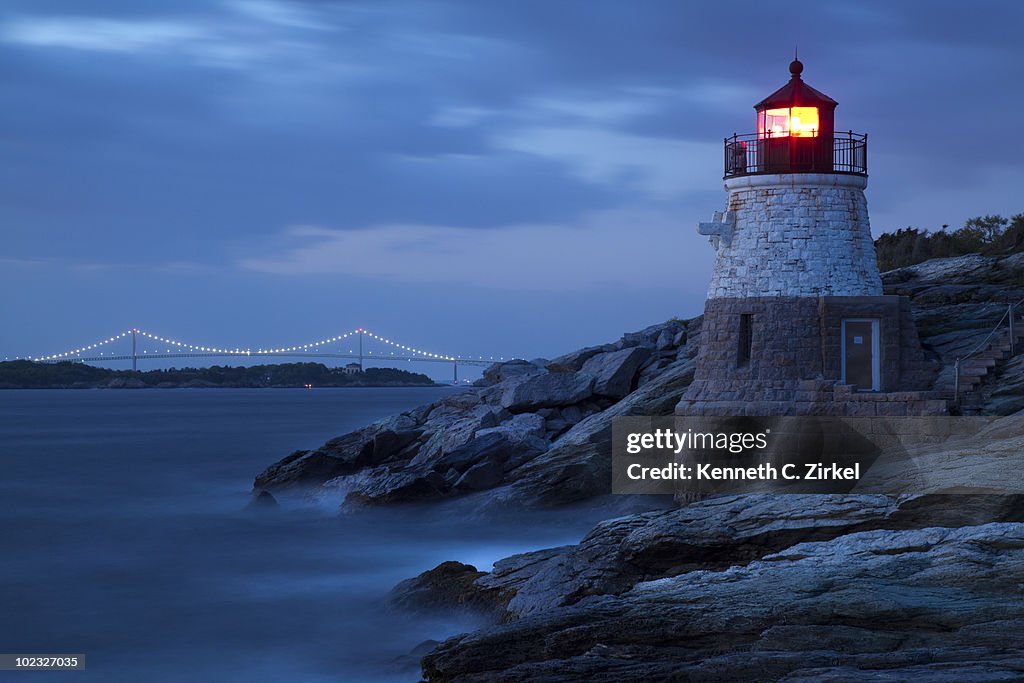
<point x="139" y="345"/>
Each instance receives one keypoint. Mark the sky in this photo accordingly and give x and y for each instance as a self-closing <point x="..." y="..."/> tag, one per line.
<point x="475" y="178"/>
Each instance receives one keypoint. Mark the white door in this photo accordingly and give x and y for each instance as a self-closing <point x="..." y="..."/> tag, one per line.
<point x="860" y="351"/>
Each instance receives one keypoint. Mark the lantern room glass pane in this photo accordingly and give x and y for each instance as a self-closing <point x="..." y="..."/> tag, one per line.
<point x="776" y="122"/>
<point x="803" y="122"/>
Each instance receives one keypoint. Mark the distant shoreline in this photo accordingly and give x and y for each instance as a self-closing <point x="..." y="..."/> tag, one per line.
<point x="24" y="374"/>
<point x="226" y="386"/>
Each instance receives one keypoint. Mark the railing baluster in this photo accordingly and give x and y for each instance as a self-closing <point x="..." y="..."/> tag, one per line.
<point x="956" y="382"/>
<point x="1013" y="332"/>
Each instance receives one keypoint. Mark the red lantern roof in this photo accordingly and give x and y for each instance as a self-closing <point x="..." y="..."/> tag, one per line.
<point x="796" y="93"/>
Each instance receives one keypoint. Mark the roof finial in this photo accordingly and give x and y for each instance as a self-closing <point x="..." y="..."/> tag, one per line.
<point x="796" y="67"/>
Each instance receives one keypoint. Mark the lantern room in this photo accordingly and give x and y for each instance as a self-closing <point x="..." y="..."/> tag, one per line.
<point x="796" y="110"/>
<point x="796" y="134"/>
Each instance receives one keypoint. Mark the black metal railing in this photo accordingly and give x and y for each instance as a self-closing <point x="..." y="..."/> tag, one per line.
<point x="755" y="153"/>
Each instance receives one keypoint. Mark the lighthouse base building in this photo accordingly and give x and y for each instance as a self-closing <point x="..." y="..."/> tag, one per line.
<point x="796" y="322"/>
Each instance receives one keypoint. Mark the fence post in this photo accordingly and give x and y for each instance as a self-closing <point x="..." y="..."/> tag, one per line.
<point x="1013" y="333"/>
<point x="956" y="382"/>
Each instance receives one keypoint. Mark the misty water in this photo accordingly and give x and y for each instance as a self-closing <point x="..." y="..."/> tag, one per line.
<point x="125" y="537"/>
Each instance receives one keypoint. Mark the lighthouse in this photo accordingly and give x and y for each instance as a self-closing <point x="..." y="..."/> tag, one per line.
<point x="795" y="321"/>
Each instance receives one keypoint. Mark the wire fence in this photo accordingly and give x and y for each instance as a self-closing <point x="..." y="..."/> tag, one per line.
<point x="1009" y="316"/>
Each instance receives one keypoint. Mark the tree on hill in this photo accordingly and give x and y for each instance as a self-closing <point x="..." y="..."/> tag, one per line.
<point x="989" y="234"/>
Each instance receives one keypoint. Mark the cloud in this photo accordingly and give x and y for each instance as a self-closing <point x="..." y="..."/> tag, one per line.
<point x="660" y="167"/>
<point x="26" y="262"/>
<point x="617" y="108"/>
<point x="103" y="35"/>
<point x="459" y="117"/>
<point x="252" y="32"/>
<point x="630" y="248"/>
<point x="597" y="110"/>
<point x="281" y="14"/>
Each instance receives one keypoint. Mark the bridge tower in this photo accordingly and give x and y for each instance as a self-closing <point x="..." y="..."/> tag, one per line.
<point x="795" y="318"/>
<point x="360" y="331"/>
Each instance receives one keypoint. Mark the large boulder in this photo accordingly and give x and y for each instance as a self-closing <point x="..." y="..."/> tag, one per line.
<point x="494" y="446"/>
<point x="262" y="501"/>
<point x="453" y="586"/>
<point x="386" y="485"/>
<point x="481" y="476"/>
<point x="578" y="464"/>
<point x="574" y="360"/>
<point x="614" y="372"/>
<point x="340" y="456"/>
<point x="521" y="427"/>
<point x="366" y="447"/>
<point x="1008" y="397"/>
<point x="499" y="372"/>
<point x="447" y="587"/>
<point x="548" y="390"/>
<point x="525" y="435"/>
<point x="508" y="447"/>
<point x="453" y="431"/>
<point x="649" y="336"/>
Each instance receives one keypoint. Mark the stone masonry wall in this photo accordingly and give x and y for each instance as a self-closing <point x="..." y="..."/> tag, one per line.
<point x="794" y="364"/>
<point x="785" y="340"/>
<point x="794" y="235"/>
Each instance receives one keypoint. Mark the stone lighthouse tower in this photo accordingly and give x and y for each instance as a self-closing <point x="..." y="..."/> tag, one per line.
<point x="795" y="321"/>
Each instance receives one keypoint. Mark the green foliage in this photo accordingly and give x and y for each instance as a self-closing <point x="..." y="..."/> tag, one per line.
<point x="984" y="229"/>
<point x="28" y="374"/>
<point x="990" y="234"/>
<point x="25" y="373"/>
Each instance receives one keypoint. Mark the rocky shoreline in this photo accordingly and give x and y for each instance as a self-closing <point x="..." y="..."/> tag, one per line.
<point x="795" y="588"/>
<point x="936" y="603"/>
<point x="533" y="433"/>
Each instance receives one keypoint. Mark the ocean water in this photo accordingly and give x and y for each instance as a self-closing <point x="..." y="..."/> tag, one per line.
<point x="125" y="537"/>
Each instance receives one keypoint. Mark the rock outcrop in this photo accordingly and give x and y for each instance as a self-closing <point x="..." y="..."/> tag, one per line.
<point x="764" y="589"/>
<point x="957" y="302"/>
<point x="448" y="586"/>
<point x="533" y="432"/>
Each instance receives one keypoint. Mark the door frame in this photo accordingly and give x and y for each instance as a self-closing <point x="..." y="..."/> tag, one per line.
<point x="876" y="360"/>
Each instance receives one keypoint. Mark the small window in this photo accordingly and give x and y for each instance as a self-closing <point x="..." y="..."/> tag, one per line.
<point x="798" y="122"/>
<point x="746" y="340"/>
<point x="775" y="123"/>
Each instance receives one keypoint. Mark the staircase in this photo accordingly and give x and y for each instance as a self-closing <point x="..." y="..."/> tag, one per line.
<point x="975" y="368"/>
